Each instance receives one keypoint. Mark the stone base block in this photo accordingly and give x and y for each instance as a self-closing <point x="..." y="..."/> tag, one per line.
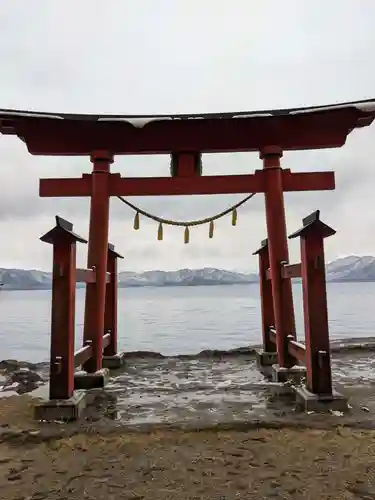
<point x="264" y="361"/>
<point x="114" y="362"/>
<point x="295" y="374"/>
<point x="308" y="401"/>
<point x="83" y="380"/>
<point x="61" y="409"/>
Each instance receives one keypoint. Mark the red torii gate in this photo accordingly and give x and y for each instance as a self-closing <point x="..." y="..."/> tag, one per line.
<point x="185" y="138"/>
<point x="102" y="184"/>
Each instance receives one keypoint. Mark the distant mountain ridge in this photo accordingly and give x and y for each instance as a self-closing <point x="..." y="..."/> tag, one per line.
<point x="352" y="268"/>
<point x="346" y="269"/>
<point x="185" y="277"/>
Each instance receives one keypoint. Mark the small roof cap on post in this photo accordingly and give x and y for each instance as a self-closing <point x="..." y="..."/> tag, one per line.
<point x="111" y="248"/>
<point x="63" y="228"/>
<point x="312" y="223"/>
<point x="263" y="246"/>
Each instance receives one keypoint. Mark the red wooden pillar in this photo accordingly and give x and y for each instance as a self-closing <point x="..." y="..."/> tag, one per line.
<point x="278" y="254"/>
<point x="318" y="363"/>
<point x="63" y="308"/>
<point x="97" y="258"/>
<point x="110" y="318"/>
<point x="268" y="316"/>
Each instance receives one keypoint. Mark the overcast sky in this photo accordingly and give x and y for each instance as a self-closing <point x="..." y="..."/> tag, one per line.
<point x="185" y="56"/>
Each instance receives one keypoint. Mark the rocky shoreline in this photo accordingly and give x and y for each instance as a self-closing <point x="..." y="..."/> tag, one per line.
<point x="21" y="377"/>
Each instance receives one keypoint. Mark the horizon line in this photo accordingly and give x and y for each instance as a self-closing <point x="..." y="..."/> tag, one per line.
<point x="343" y="256"/>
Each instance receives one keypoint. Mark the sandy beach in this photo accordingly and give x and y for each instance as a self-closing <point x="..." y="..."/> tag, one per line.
<point x="257" y="464"/>
<point x="103" y="461"/>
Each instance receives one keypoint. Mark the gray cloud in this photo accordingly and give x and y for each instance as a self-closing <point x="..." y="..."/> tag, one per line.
<point x="186" y="56"/>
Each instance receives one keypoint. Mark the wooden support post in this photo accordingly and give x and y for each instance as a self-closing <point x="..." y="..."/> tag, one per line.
<point x="110" y="318"/>
<point x="97" y="258"/>
<point x="318" y="363"/>
<point x="291" y="271"/>
<point x="63" y="308"/>
<point x="278" y="254"/>
<point x="268" y="316"/>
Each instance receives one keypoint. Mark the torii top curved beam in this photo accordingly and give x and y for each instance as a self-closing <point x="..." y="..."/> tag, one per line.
<point x="290" y="129"/>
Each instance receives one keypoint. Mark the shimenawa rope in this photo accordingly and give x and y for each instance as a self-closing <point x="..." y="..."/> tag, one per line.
<point x="186" y="224"/>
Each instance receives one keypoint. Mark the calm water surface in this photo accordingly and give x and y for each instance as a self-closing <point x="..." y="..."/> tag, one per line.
<point x="179" y="320"/>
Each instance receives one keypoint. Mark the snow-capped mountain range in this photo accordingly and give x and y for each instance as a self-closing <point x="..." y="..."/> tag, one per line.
<point x="350" y="268"/>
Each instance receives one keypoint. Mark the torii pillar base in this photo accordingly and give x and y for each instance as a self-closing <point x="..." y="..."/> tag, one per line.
<point x="264" y="361"/>
<point x="63" y="410"/>
<point x="114" y="362"/>
<point x="320" y="403"/>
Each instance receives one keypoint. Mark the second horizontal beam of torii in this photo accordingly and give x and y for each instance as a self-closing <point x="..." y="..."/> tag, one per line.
<point x="194" y="185"/>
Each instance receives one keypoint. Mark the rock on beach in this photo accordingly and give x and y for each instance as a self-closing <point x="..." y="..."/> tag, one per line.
<point x="19" y="376"/>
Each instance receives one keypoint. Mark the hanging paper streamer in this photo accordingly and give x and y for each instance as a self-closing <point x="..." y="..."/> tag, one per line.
<point x="211" y="230"/>
<point x="186" y="235"/>
<point x="136" y="221"/>
<point x="160" y="232"/>
<point x="234" y="217"/>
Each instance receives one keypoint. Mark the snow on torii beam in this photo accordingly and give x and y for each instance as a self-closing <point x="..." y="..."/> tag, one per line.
<point x="62" y="134"/>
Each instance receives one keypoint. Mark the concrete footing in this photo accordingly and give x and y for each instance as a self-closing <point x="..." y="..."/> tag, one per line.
<point x="114" y="362"/>
<point x="295" y="374"/>
<point x="83" y="380"/>
<point x="264" y="361"/>
<point x="309" y="401"/>
<point x="61" y="409"/>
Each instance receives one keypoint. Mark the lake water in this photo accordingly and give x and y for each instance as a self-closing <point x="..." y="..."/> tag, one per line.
<point x="179" y="320"/>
